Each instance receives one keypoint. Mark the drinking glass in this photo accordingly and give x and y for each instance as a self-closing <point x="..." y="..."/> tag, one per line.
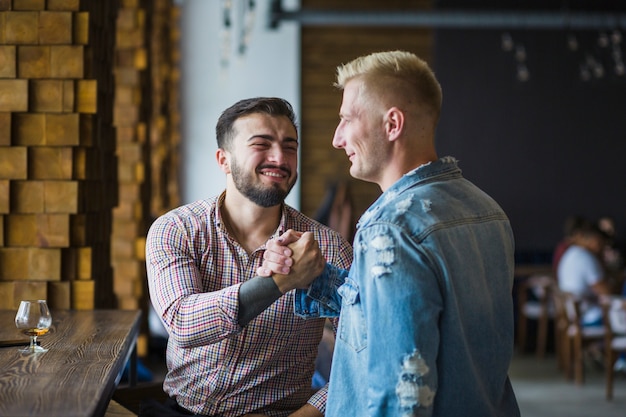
<point x="33" y="319"/>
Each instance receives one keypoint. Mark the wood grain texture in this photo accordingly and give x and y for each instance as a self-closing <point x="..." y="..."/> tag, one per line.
<point x="55" y="28"/>
<point x="30" y="264"/>
<point x="21" y="27"/>
<point x="72" y="5"/>
<point x="5" y="200"/>
<point x="115" y="409"/>
<point x="77" y="376"/>
<point x="13" y="162"/>
<point x="8" y="67"/>
<point x="13" y="95"/>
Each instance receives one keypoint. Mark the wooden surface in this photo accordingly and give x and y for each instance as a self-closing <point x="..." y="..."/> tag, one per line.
<point x="523" y="271"/>
<point x="116" y="409"/>
<point x="77" y="376"/>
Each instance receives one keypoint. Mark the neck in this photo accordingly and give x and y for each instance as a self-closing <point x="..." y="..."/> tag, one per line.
<point x="248" y="223"/>
<point x="405" y="160"/>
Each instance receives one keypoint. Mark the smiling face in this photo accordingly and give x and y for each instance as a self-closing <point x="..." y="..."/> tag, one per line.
<point x="263" y="161"/>
<point x="361" y="134"/>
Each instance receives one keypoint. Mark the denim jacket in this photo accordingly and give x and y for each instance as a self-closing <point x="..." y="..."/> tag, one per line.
<point x="426" y="325"/>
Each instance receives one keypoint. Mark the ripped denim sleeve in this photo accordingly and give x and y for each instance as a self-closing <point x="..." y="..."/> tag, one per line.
<point x="321" y="298"/>
<point x="411" y="390"/>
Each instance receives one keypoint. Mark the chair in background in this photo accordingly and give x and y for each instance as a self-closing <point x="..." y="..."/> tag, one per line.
<point x="578" y="339"/>
<point x="535" y="302"/>
<point x="561" y="325"/>
<point x="614" y="314"/>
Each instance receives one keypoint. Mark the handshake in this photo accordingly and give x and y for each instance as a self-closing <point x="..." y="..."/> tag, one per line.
<point x="294" y="260"/>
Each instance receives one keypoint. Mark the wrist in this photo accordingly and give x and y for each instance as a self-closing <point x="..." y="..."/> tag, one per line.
<point x="282" y="283"/>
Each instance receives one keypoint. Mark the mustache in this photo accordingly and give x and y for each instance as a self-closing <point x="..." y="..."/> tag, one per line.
<point x="282" y="168"/>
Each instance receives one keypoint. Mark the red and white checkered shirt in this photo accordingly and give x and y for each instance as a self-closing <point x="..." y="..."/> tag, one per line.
<point x="216" y="367"/>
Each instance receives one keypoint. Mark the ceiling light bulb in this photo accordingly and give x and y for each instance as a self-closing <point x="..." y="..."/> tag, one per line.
<point x="522" y="73"/>
<point x="507" y="42"/>
<point x="585" y="74"/>
<point x="520" y="53"/>
<point x="572" y="42"/>
<point x="603" y="40"/>
<point x="616" y="37"/>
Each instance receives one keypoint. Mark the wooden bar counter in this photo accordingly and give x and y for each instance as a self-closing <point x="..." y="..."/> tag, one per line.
<point x="78" y="375"/>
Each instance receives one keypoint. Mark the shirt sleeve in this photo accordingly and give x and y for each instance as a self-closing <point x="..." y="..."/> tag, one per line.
<point x="402" y="303"/>
<point x="191" y="316"/>
<point x="318" y="400"/>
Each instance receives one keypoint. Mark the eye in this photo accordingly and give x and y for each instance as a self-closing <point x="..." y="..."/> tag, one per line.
<point x="290" y="147"/>
<point x="261" y="144"/>
<point x="291" y="150"/>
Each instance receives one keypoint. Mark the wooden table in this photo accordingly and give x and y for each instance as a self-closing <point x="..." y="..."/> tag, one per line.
<point x="88" y="351"/>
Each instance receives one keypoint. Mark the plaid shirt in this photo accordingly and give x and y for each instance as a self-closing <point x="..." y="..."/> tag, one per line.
<point x="216" y="367"/>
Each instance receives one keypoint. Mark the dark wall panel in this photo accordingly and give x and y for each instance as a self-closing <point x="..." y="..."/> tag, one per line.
<point x="545" y="148"/>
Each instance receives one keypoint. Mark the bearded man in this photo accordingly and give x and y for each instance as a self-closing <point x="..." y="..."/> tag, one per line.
<point x="235" y="347"/>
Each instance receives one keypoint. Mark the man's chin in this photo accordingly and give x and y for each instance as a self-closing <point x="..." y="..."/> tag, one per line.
<point x="354" y="172"/>
<point x="268" y="203"/>
<point x="272" y="200"/>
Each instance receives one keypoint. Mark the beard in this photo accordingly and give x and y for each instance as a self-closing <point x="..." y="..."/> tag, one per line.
<point x="258" y="193"/>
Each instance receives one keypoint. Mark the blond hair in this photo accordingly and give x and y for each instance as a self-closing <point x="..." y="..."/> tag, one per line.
<point x="400" y="74"/>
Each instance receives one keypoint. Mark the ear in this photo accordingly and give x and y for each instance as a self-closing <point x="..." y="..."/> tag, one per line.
<point x="394" y="123"/>
<point x="223" y="160"/>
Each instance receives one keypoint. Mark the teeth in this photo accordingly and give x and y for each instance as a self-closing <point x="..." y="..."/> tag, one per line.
<point x="272" y="174"/>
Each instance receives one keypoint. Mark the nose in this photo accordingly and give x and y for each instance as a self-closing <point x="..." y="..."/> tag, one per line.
<point x="275" y="154"/>
<point x="338" y="141"/>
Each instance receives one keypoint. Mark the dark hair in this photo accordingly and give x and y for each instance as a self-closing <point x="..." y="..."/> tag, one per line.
<point x="591" y="229"/>
<point x="269" y="105"/>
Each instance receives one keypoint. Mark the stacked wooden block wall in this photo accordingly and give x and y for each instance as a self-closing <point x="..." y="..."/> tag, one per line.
<point x="164" y="131"/>
<point x="147" y="125"/>
<point x="56" y="155"/>
<point x="89" y="135"/>
<point x="165" y="116"/>
<point x="130" y="121"/>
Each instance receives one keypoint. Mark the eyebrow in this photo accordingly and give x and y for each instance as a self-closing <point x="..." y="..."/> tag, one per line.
<point x="272" y="138"/>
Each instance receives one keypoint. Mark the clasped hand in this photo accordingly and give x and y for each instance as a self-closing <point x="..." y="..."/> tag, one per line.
<point x="294" y="259"/>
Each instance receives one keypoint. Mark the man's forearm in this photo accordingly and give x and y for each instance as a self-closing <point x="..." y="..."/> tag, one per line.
<point x="255" y="295"/>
